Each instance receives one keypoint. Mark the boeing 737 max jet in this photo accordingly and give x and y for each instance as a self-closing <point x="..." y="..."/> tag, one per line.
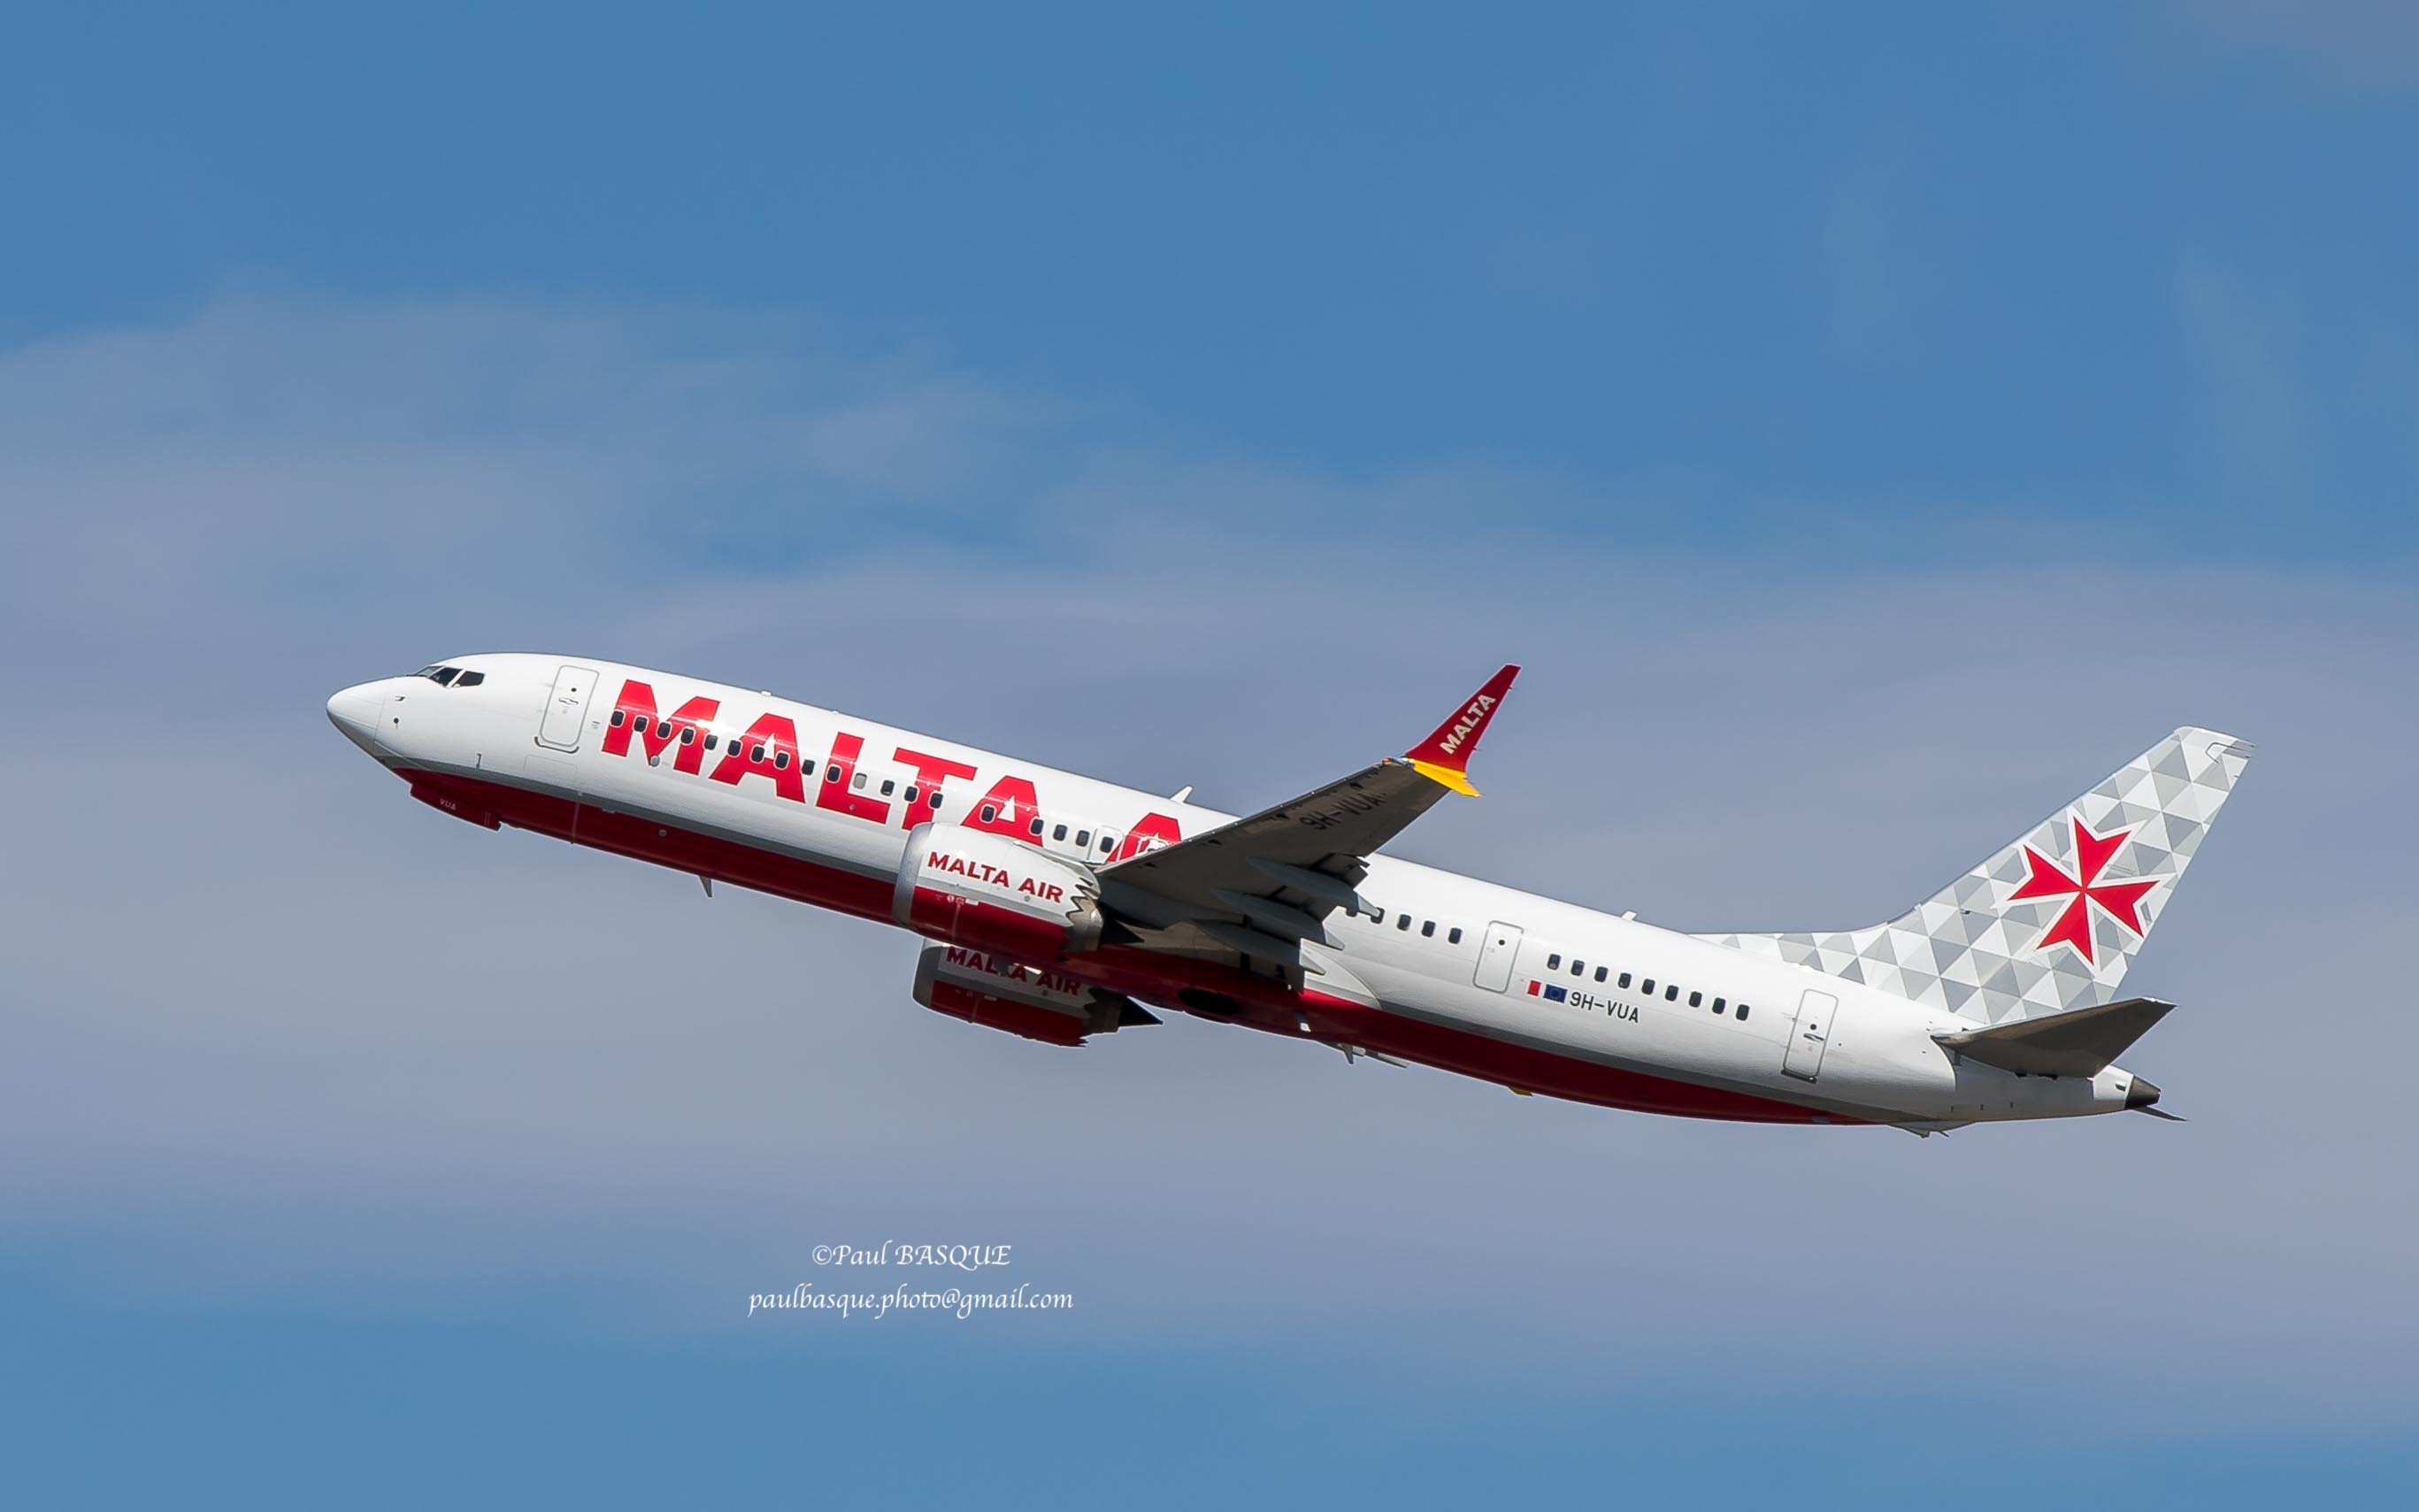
<point x="1056" y="907"/>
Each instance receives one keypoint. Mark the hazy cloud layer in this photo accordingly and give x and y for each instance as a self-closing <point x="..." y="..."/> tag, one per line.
<point x="276" y="1026"/>
<point x="2372" y="42"/>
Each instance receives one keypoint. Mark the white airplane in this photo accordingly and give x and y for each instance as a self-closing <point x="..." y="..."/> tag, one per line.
<point x="1056" y="905"/>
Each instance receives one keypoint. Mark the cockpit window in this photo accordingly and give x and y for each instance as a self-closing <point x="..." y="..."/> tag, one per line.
<point x="451" y="677"/>
<point x="469" y="679"/>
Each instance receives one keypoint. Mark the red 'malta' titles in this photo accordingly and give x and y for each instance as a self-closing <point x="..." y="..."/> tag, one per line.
<point x="769" y="749"/>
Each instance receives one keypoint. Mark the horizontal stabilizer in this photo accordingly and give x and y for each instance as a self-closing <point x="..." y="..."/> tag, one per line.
<point x="2078" y="1042"/>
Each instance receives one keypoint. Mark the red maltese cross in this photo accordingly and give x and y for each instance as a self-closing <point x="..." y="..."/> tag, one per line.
<point x="2121" y="901"/>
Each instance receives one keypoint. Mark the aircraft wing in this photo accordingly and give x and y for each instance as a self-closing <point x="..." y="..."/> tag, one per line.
<point x="1258" y="886"/>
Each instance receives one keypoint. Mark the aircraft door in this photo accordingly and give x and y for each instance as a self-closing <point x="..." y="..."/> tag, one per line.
<point x="1817" y="1012"/>
<point x="567" y="708"/>
<point x="1495" y="955"/>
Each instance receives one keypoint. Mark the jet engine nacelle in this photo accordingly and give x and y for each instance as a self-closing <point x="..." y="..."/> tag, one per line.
<point x="998" y="992"/>
<point x="970" y="886"/>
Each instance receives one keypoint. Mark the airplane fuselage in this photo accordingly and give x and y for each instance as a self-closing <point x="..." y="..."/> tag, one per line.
<point x="743" y="788"/>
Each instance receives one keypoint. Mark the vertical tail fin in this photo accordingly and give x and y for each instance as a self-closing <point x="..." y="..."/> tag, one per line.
<point x="2052" y="921"/>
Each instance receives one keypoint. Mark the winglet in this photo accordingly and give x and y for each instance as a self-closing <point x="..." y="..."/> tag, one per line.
<point x="1446" y="754"/>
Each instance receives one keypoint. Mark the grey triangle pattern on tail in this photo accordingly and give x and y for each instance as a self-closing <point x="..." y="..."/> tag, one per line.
<point x="1980" y="951"/>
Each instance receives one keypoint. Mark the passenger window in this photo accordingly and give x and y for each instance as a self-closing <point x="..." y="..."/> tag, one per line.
<point x="1600" y="973"/>
<point x="1579" y="969"/>
<point x="469" y="679"/>
<point x="831" y="773"/>
<point x="1427" y="931"/>
<point x="781" y="759"/>
<point x="640" y="724"/>
<point x="1554" y="962"/>
<point x="688" y="734"/>
<point x="618" y="717"/>
<point x="709" y="740"/>
<point x="1403" y="922"/>
<point x="1035" y="826"/>
<point x="1742" y="1012"/>
<point x="989" y="812"/>
<point x="755" y="753"/>
<point x="1720" y="1006"/>
<point x="1058" y="833"/>
<point x="1082" y="839"/>
<point x="932" y="800"/>
<point x="1671" y="994"/>
<point x="1452" y="936"/>
<point x="1623" y="981"/>
<point x="886" y="786"/>
<point x="909" y="796"/>
<point x="1108" y="842"/>
<point x="1696" y="999"/>
<point x="860" y="783"/>
<point x="1647" y="986"/>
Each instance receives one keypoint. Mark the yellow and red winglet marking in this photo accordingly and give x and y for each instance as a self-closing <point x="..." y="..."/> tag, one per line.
<point x="1446" y="754"/>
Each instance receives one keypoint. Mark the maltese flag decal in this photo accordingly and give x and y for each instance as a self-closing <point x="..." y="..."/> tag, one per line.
<point x="2120" y="900"/>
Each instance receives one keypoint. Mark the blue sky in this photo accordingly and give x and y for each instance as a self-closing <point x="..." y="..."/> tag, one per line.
<point x="1714" y="267"/>
<point x="1869" y="424"/>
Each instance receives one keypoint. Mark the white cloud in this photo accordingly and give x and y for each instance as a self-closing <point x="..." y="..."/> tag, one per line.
<point x="274" y="1027"/>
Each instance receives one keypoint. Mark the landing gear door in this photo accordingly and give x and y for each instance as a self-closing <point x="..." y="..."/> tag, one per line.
<point x="567" y="708"/>
<point x="1495" y="954"/>
<point x="1817" y="1014"/>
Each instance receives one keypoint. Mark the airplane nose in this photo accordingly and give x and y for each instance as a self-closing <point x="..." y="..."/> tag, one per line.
<point x="355" y="711"/>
